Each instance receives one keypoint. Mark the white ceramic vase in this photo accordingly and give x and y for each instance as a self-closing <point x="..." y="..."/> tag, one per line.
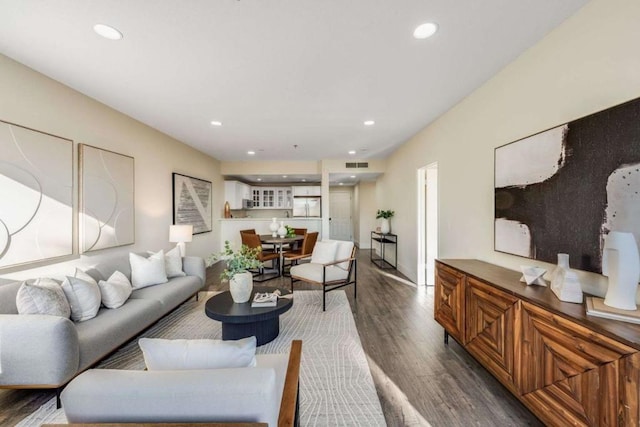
<point x="273" y="227"/>
<point x="621" y="263"/>
<point x="241" y="286"/>
<point x="282" y="231"/>
<point x="565" y="283"/>
<point x="385" y="226"/>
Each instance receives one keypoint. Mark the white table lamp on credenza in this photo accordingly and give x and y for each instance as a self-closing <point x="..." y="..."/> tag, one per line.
<point x="181" y="234"/>
<point x="621" y="263"/>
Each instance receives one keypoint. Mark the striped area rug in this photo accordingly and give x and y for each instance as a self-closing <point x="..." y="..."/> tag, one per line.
<point x="336" y="387"/>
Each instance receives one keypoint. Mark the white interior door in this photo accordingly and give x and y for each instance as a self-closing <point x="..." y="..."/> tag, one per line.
<point x="431" y="187"/>
<point x="340" y="215"/>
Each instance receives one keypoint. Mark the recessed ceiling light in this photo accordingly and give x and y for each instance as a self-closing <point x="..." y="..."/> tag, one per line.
<point x="251" y="152"/>
<point x="340" y="183"/>
<point x="369" y="122"/>
<point x="353" y="176"/>
<point x="107" y="32"/>
<point x="352" y="152"/>
<point x="259" y="179"/>
<point x="425" y="30"/>
<point x="284" y="176"/>
<point x="304" y="180"/>
<point x="216" y="123"/>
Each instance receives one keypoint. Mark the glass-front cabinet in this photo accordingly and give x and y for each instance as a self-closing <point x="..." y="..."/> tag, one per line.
<point x="272" y="197"/>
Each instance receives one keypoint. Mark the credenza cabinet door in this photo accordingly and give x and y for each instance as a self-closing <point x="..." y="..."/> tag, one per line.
<point x="571" y="375"/>
<point x="491" y="328"/>
<point x="449" y="301"/>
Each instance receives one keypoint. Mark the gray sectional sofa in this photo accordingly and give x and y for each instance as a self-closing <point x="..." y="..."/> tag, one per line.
<point x="40" y="351"/>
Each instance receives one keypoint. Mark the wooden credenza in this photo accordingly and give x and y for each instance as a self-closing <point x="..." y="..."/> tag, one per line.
<point x="568" y="368"/>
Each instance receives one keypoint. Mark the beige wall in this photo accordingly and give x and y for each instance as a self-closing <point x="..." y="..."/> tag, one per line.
<point x="33" y="100"/>
<point x="589" y="63"/>
<point x="367" y="213"/>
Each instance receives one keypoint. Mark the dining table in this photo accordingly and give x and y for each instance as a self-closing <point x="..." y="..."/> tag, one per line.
<point x="279" y="243"/>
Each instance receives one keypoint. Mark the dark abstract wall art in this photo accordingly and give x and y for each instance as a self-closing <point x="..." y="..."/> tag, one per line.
<point x="564" y="189"/>
<point x="192" y="202"/>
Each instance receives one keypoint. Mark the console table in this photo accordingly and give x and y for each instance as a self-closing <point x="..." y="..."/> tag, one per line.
<point x="568" y="368"/>
<point x="384" y="240"/>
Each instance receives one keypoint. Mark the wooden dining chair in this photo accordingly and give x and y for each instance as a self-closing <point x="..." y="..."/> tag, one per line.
<point x="305" y="251"/>
<point x="265" y="247"/>
<point x="298" y="232"/>
<point x="253" y="241"/>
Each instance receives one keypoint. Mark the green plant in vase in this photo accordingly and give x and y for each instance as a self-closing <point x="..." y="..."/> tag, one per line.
<point x="385" y="225"/>
<point x="290" y="231"/>
<point x="238" y="261"/>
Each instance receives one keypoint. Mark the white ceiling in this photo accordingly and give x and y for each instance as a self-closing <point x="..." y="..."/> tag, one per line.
<point x="351" y="178"/>
<point x="278" y="73"/>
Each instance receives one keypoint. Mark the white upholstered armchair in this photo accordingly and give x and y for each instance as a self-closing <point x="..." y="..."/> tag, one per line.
<point x="332" y="266"/>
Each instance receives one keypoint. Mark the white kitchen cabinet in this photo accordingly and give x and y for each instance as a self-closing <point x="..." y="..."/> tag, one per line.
<point x="235" y="192"/>
<point x="272" y="197"/>
<point x="307" y="190"/>
<point x="284" y="199"/>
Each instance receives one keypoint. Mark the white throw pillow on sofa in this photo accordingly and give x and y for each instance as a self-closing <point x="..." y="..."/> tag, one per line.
<point x="116" y="290"/>
<point x="173" y="263"/>
<point x="83" y="296"/>
<point x="84" y="276"/>
<point x="161" y="354"/>
<point x="324" y="252"/>
<point x="42" y="296"/>
<point x="147" y="271"/>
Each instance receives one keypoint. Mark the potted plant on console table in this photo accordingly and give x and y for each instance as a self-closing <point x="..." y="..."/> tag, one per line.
<point x="237" y="272"/>
<point x="385" y="226"/>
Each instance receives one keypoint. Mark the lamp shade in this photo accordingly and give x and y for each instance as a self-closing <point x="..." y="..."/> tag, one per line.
<point x="180" y="233"/>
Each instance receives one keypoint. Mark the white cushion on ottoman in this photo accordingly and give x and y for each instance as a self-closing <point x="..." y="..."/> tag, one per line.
<point x="198" y="396"/>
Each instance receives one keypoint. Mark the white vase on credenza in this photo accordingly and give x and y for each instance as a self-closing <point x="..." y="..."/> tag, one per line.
<point x="621" y="263"/>
<point x="564" y="282"/>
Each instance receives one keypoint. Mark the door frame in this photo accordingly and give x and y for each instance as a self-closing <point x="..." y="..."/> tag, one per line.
<point x="421" y="226"/>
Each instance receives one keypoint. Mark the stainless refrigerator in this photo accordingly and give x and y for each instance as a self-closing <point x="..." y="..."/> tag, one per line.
<point x="306" y="207"/>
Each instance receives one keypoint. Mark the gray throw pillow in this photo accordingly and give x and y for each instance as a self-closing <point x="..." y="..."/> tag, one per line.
<point x="42" y="296"/>
<point x="83" y="296"/>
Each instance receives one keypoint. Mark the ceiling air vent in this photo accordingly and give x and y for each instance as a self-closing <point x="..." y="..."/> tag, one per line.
<point x="352" y="165"/>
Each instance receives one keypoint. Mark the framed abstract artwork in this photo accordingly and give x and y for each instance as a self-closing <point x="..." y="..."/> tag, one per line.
<point x="564" y="189"/>
<point x="107" y="213"/>
<point x="192" y="203"/>
<point x="36" y="195"/>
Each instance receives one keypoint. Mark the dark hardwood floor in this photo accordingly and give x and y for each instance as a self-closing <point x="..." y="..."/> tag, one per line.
<point x="420" y="381"/>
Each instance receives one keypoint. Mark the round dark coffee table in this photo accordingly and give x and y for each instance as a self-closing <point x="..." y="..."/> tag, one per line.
<point x="241" y="320"/>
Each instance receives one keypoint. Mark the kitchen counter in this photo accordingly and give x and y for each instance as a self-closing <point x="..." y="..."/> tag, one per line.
<point x="230" y="227"/>
<point x="286" y="220"/>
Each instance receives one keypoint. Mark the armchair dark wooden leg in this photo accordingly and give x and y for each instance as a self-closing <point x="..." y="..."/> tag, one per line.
<point x="58" y="402"/>
<point x="324" y="298"/>
<point x="355" y="280"/>
<point x="446" y="338"/>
